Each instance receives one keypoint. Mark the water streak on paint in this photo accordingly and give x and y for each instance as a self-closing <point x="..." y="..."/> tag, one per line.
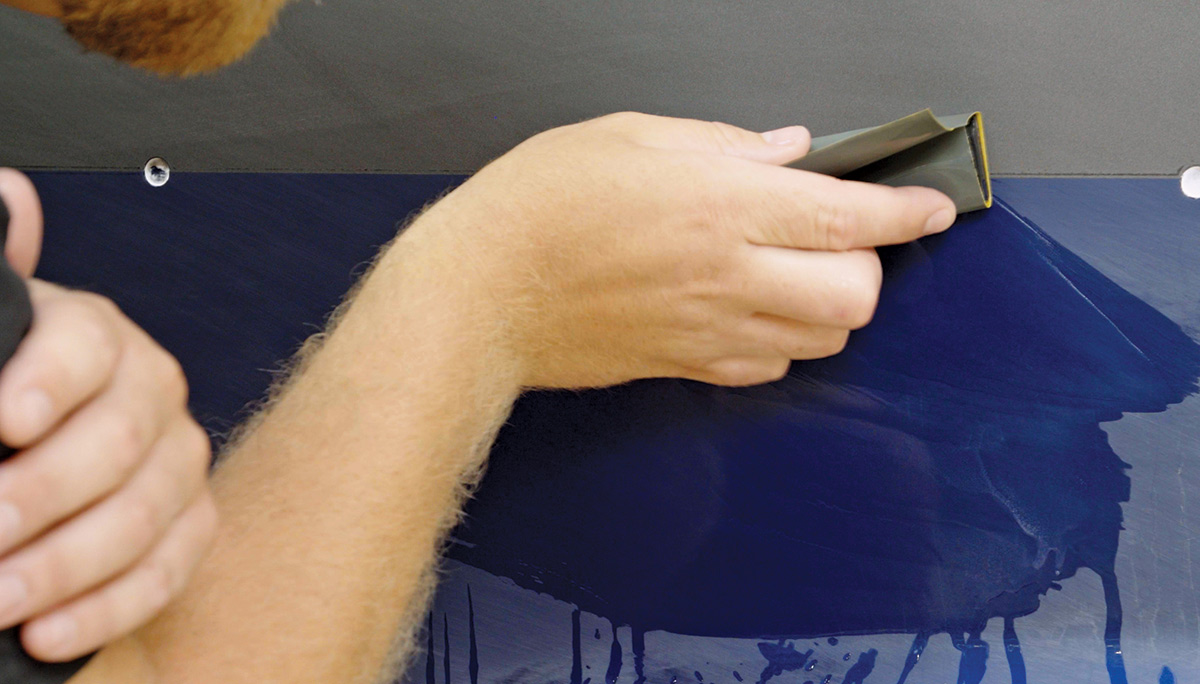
<point x="914" y="654"/>
<point x="446" y="646"/>
<point x="614" y="659"/>
<point x="1012" y="651"/>
<point x="473" y="662"/>
<point x="429" y="666"/>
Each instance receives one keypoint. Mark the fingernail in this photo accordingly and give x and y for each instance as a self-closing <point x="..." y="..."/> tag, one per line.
<point x="55" y="634"/>
<point x="941" y="220"/>
<point x="13" y="593"/>
<point x="34" y="408"/>
<point x="786" y="136"/>
<point x="10" y="525"/>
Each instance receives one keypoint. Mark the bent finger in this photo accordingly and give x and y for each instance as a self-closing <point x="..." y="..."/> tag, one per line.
<point x="67" y="357"/>
<point x="778" y="146"/>
<point x="124" y="604"/>
<point x="773" y="336"/>
<point x="103" y="541"/>
<point x="833" y="289"/>
<point x="91" y="455"/>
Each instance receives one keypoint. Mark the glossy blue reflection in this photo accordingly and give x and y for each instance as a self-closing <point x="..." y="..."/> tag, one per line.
<point x="948" y="468"/>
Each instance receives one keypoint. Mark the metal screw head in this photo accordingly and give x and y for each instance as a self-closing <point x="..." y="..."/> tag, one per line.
<point x="157" y="172"/>
<point x="1189" y="182"/>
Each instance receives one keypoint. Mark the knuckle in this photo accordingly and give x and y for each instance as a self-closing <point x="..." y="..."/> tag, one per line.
<point x="124" y="440"/>
<point x="159" y="583"/>
<point x="861" y="307"/>
<point x="54" y="576"/>
<point x="726" y="137"/>
<point x="209" y="518"/>
<point x="170" y="376"/>
<point x="141" y="517"/>
<point x="198" y="446"/>
<point x="834" y="343"/>
<point x="776" y="369"/>
<point x="623" y="121"/>
<point x="42" y="489"/>
<point x="94" y="330"/>
<point x="836" y="227"/>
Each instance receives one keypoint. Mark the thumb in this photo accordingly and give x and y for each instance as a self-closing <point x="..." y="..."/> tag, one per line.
<point x="778" y="147"/>
<point x="21" y="218"/>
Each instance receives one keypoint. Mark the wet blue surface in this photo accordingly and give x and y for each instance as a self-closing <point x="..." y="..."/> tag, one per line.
<point x="949" y="468"/>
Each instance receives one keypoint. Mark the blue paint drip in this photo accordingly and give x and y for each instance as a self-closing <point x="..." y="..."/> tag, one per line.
<point x="1166" y="676"/>
<point x="972" y="664"/>
<point x="1012" y="651"/>
<point x="947" y="468"/>
<point x="576" y="649"/>
<point x="614" y="659"/>
<point x="1015" y="327"/>
<point x="914" y="655"/>
<point x="857" y="674"/>
<point x="473" y="661"/>
<point x="638" y="645"/>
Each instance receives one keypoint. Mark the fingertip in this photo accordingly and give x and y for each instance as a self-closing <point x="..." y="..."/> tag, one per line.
<point x="789" y="136"/>
<point x="54" y="638"/>
<point x="938" y="209"/>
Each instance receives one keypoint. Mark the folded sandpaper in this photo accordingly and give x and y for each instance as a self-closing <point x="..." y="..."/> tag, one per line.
<point x="946" y="153"/>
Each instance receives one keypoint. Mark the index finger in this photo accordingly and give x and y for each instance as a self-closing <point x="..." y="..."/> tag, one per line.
<point x="791" y="208"/>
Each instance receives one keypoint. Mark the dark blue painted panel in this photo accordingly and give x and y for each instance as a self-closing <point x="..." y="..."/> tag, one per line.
<point x="956" y="464"/>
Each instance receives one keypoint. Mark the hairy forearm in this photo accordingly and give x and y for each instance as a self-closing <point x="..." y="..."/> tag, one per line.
<point x="335" y="502"/>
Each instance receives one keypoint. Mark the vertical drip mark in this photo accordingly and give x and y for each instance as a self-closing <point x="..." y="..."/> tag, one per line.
<point x="973" y="663"/>
<point x="914" y="654"/>
<point x="1113" y="660"/>
<point x="1012" y="650"/>
<point x="429" y="667"/>
<point x="638" y="645"/>
<point x="446" y="646"/>
<point x="576" y="650"/>
<point x="473" y="663"/>
<point x="1166" y="676"/>
<point x="614" y="658"/>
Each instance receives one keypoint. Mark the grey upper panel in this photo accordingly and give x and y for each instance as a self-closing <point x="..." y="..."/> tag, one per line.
<point x="1067" y="87"/>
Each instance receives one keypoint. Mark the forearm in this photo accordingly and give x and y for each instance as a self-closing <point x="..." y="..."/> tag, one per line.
<point x="334" y="505"/>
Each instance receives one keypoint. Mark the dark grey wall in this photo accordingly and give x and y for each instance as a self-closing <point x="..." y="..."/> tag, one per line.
<point x="1067" y="87"/>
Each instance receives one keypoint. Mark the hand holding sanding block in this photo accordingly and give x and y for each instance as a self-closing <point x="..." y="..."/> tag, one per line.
<point x="16" y="313"/>
<point x="946" y="153"/>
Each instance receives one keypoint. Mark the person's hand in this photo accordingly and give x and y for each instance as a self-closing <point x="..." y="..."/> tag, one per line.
<point x="105" y="509"/>
<point x="636" y="246"/>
